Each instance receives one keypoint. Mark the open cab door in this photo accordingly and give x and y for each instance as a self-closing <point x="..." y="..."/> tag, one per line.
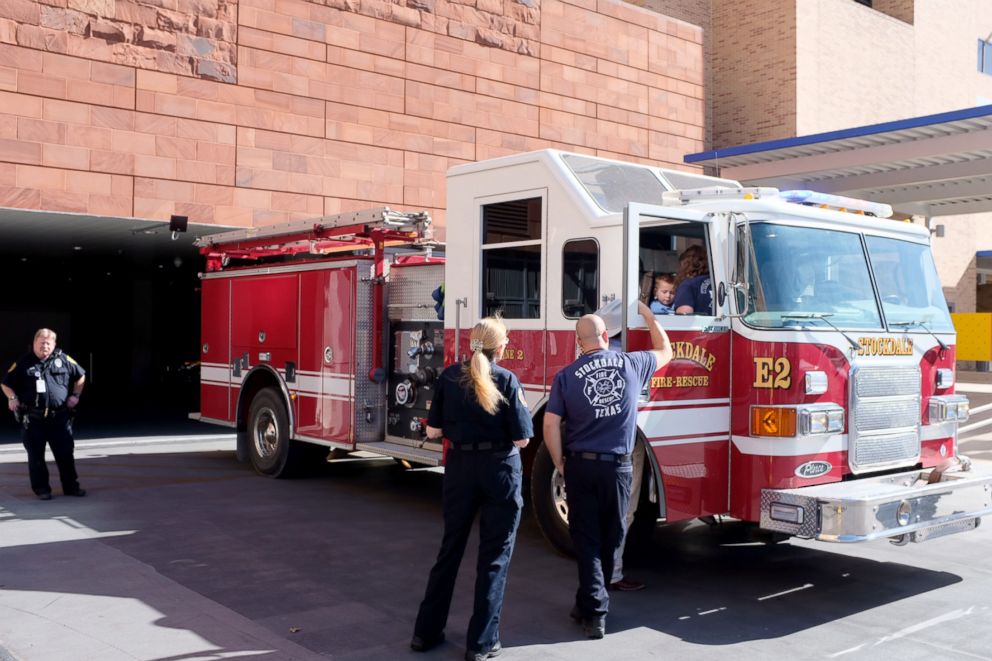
<point x="685" y="415"/>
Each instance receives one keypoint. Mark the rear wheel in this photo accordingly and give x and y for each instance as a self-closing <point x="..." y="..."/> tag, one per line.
<point x="269" y="446"/>
<point x="547" y="495"/>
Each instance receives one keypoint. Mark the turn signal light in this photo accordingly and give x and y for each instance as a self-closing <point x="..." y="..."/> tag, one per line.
<point x="773" y="421"/>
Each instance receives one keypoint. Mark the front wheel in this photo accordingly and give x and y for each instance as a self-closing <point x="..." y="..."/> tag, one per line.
<point x="547" y="495"/>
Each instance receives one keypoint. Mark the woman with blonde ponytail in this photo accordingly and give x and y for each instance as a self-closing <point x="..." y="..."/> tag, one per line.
<point x="479" y="407"/>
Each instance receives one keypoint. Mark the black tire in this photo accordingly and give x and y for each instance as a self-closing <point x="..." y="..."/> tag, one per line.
<point x="547" y="496"/>
<point x="269" y="447"/>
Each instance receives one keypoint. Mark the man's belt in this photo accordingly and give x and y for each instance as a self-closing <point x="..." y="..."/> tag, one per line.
<point x="599" y="456"/>
<point x="484" y="446"/>
<point x="41" y="414"/>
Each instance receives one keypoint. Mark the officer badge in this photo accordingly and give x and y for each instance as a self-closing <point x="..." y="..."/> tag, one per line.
<point x="58" y="362"/>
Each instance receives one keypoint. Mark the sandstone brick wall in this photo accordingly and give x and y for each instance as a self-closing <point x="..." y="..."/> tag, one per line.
<point x="245" y="112"/>
<point x="698" y="13"/>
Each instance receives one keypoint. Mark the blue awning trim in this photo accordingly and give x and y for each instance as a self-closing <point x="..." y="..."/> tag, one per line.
<point x="858" y="131"/>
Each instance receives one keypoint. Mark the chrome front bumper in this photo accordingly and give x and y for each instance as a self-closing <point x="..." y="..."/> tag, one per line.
<point x="903" y="506"/>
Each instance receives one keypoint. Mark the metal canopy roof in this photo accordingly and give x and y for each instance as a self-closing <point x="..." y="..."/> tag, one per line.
<point x="935" y="165"/>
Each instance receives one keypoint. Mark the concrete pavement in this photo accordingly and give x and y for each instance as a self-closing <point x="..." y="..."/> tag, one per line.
<point x="180" y="553"/>
<point x="66" y="594"/>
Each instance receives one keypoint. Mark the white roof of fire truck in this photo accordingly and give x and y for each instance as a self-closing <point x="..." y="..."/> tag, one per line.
<point x="600" y="188"/>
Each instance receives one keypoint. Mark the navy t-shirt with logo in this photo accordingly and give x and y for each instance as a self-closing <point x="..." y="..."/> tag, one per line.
<point x="697" y="293"/>
<point x="597" y="397"/>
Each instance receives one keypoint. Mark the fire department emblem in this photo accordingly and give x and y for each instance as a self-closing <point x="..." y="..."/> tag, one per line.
<point x="604" y="387"/>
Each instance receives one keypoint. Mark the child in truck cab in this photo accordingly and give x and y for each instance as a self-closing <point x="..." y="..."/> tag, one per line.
<point x="693" y="286"/>
<point x="664" y="294"/>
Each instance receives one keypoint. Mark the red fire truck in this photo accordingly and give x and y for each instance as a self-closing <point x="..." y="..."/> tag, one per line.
<point x="816" y="398"/>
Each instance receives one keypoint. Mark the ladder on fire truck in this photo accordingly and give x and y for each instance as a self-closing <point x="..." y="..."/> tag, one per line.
<point x="343" y="232"/>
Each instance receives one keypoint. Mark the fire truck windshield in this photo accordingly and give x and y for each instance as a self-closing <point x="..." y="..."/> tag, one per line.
<point x="908" y="285"/>
<point x="804" y="273"/>
<point x="802" y="270"/>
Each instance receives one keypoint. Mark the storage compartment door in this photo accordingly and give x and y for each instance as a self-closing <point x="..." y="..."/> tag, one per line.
<point x="215" y="349"/>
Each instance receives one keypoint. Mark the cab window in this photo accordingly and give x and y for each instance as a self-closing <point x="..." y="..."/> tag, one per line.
<point x="511" y="258"/>
<point x="579" y="278"/>
<point x="674" y="269"/>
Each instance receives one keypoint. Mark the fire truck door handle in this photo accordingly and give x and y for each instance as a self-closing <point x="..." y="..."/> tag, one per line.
<point x="459" y="304"/>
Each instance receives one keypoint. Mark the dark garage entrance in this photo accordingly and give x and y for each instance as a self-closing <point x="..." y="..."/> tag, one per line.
<point x="124" y="300"/>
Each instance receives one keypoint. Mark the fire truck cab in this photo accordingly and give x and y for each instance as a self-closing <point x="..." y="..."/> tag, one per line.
<point x="812" y="385"/>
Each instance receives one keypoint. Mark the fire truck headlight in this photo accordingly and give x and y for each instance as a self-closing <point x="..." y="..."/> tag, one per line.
<point x="945" y="378"/>
<point x="773" y="421"/>
<point x="816" y="383"/>
<point x="948" y="408"/>
<point x="821" y="419"/>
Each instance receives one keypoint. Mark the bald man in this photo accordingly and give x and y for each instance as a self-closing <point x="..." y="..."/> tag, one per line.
<point x="596" y="397"/>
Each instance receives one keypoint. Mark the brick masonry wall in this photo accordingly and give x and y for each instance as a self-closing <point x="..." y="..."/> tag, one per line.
<point x="247" y="112"/>
<point x="954" y="255"/>
<point x="754" y="71"/>
<point x="698" y="13"/>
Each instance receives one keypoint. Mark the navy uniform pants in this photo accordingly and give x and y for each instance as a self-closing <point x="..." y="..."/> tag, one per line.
<point x="598" y="497"/>
<point x="56" y="431"/>
<point x="482" y="482"/>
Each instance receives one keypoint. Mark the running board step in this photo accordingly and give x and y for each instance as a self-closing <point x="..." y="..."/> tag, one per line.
<point x="399" y="451"/>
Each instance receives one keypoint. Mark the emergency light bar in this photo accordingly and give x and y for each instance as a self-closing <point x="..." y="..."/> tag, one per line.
<point x="673" y="198"/>
<point x="838" y="202"/>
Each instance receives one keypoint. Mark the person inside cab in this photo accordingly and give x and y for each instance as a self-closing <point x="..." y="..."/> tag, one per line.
<point x="663" y="295"/>
<point x="693" y="286"/>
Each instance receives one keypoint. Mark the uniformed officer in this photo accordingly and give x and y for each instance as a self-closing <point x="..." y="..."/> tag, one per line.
<point x="480" y="408"/>
<point x="596" y="397"/>
<point x="43" y="387"/>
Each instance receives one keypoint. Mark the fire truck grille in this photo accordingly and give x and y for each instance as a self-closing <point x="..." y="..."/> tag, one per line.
<point x="881" y="382"/>
<point x="884" y="429"/>
<point x="887" y="414"/>
<point x="887" y="449"/>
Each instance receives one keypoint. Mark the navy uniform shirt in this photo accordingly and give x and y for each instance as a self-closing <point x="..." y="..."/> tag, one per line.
<point x="697" y="293"/>
<point x="58" y="372"/>
<point x="456" y="411"/>
<point x="597" y="398"/>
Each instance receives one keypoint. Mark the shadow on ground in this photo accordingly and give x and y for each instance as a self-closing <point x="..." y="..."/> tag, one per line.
<point x="337" y="562"/>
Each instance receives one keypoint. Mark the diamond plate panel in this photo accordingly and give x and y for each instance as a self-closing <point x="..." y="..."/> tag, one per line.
<point x="370" y="397"/>
<point x="810" y="526"/>
<point x="410" y="289"/>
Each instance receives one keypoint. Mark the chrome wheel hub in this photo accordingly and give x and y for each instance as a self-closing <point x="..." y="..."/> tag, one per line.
<point x="265" y="435"/>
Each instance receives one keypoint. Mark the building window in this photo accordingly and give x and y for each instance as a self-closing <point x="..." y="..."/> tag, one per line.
<point x="579" y="278"/>
<point x="984" y="57"/>
<point x="511" y="259"/>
